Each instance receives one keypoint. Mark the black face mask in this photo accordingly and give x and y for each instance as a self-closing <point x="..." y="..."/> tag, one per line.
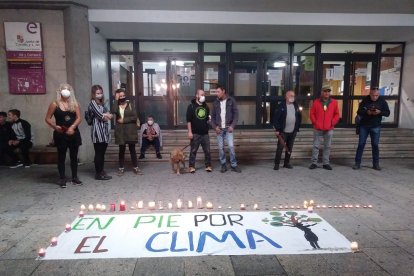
<point x="122" y="100"/>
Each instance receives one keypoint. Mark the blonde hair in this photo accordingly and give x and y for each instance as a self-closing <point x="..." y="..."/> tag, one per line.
<point x="72" y="102"/>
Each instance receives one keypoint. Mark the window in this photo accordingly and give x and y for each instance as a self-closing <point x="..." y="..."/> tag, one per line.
<point x="347" y="48"/>
<point x="214" y="47"/>
<point x="117" y="46"/>
<point x="259" y="48"/>
<point x="183" y="47"/>
<point x="389" y="81"/>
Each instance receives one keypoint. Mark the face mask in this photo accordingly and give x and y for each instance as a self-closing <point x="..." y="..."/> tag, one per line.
<point x="65" y="93"/>
<point x="99" y="96"/>
<point x="202" y="99"/>
<point x="292" y="99"/>
<point x="122" y="100"/>
<point x="150" y="122"/>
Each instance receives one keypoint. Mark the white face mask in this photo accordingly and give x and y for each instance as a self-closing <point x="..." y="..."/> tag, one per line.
<point x="202" y="99"/>
<point x="150" y="122"/>
<point x="291" y="99"/>
<point x="99" y="96"/>
<point x="65" y="93"/>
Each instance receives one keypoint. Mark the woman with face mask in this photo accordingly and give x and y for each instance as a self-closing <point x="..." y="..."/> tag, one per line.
<point x="150" y="135"/>
<point x="100" y="130"/>
<point x="66" y="134"/>
<point x="125" y="130"/>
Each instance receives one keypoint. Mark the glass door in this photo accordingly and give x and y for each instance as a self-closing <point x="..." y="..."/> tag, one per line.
<point x="168" y="84"/>
<point x="350" y="78"/>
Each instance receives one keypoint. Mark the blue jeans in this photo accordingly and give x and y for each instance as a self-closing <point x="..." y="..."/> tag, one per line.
<point x="374" y="133"/>
<point x="220" y="141"/>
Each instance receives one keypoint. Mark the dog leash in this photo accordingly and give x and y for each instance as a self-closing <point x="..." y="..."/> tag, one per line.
<point x="185" y="147"/>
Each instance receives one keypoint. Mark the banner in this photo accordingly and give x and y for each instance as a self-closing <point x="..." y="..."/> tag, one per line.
<point x="25" y="60"/>
<point x="196" y="234"/>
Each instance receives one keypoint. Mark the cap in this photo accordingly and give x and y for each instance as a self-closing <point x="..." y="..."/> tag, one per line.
<point x="326" y="88"/>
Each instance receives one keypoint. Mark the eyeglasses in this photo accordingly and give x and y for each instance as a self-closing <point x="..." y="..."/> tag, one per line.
<point x="375" y="88"/>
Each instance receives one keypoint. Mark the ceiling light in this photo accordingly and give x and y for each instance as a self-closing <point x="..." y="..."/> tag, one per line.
<point x="279" y="64"/>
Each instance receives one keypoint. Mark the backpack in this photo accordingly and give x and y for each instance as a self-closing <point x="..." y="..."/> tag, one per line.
<point x="88" y="117"/>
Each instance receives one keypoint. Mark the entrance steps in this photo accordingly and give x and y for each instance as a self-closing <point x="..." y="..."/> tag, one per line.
<point x="260" y="144"/>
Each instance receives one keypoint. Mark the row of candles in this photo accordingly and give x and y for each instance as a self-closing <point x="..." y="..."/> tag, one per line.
<point x="309" y="206"/>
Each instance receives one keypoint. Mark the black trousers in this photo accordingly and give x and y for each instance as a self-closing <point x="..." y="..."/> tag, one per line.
<point x="6" y="150"/>
<point x="132" y="152"/>
<point x="100" y="150"/>
<point x="146" y="143"/>
<point x="73" y="154"/>
<point x="24" y="147"/>
<point x="204" y="141"/>
<point x="289" y="140"/>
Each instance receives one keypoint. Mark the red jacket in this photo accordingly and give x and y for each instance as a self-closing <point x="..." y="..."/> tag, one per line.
<point x="324" y="120"/>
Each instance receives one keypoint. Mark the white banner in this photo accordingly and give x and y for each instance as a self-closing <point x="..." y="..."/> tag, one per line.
<point x="196" y="234"/>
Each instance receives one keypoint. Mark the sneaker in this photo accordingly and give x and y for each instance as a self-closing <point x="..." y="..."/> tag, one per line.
<point x="137" y="171"/>
<point x="141" y="156"/>
<point x="16" y="166"/>
<point x="327" y="167"/>
<point x="76" y="181"/>
<point x="223" y="168"/>
<point x="191" y="170"/>
<point x="159" y="156"/>
<point x="288" y="166"/>
<point x="376" y="167"/>
<point x="356" y="167"/>
<point x="209" y="169"/>
<point x="236" y="169"/>
<point x="276" y="167"/>
<point x="102" y="177"/>
<point x="62" y="182"/>
<point x="120" y="172"/>
<point x="313" y="166"/>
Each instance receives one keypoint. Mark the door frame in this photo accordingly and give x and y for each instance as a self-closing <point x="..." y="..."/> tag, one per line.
<point x="347" y="98"/>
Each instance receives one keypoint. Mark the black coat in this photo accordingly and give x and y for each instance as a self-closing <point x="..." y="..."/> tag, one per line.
<point x="279" y="118"/>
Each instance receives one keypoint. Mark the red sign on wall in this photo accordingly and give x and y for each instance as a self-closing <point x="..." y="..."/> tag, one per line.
<point x="25" y="60"/>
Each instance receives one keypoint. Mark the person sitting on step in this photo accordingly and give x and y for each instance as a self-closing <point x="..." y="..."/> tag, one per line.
<point x="150" y="135"/>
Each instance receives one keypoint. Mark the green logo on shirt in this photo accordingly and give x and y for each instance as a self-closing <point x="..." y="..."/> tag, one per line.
<point x="201" y="113"/>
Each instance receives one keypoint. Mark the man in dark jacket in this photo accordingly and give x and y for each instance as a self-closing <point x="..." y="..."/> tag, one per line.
<point x="22" y="130"/>
<point x="197" y="124"/>
<point x="286" y="122"/>
<point x="224" y="117"/>
<point x="6" y="135"/>
<point x="371" y="109"/>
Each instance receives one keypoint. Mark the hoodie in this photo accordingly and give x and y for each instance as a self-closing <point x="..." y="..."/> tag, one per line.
<point x="197" y="115"/>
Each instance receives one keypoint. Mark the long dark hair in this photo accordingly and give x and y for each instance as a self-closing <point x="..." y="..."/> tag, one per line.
<point x="95" y="88"/>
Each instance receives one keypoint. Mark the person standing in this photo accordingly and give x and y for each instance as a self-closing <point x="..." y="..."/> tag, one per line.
<point x="126" y="130"/>
<point x="6" y="135"/>
<point x="371" y="110"/>
<point x="100" y="130"/>
<point x="324" y="115"/>
<point x="224" y="118"/>
<point x="23" y="132"/>
<point x="286" y="122"/>
<point x="197" y="125"/>
<point x="66" y="134"/>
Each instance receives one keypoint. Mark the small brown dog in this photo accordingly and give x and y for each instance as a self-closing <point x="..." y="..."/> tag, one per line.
<point x="177" y="156"/>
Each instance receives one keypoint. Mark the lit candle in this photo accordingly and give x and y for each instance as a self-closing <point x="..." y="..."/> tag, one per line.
<point x="255" y="206"/>
<point x="242" y="206"/>
<point x="310" y="209"/>
<point x="122" y="206"/>
<point x="199" y="202"/>
<point x="81" y="214"/>
<point x="340" y="206"/>
<point x="354" y="246"/>
<point x="346" y="205"/>
<point x="160" y="205"/>
<point x="219" y="207"/>
<point x="170" y="205"/>
<point x="365" y="206"/>
<point x="286" y="206"/>
<point x="140" y="204"/>
<point x="190" y="204"/>
<point x="42" y="252"/>
<point x="274" y="208"/>
<point x="298" y="207"/>
<point x="68" y="227"/>
<point x="357" y="206"/>
<point x="330" y="206"/>
<point x="370" y="206"/>
<point x="98" y="207"/>
<point x="335" y="206"/>
<point x="292" y="206"/>
<point x="90" y="207"/>
<point x="323" y="206"/>
<point x="53" y="241"/>
<point x="305" y="204"/>
<point x="318" y="206"/>
<point x="311" y="202"/>
<point x="113" y="207"/>
<point x="103" y="208"/>
<point x="209" y="205"/>
<point x="151" y="205"/>
<point x="179" y="204"/>
<point x="351" y="206"/>
<point x="82" y="207"/>
<point x="229" y="207"/>
<point x="280" y="206"/>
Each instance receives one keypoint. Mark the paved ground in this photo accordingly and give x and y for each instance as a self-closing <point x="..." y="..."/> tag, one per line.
<point x="33" y="209"/>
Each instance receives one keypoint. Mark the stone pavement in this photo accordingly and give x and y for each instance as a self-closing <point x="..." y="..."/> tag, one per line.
<point x="33" y="209"/>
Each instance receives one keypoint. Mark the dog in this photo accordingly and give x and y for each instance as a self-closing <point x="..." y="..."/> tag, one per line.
<point x="177" y="157"/>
